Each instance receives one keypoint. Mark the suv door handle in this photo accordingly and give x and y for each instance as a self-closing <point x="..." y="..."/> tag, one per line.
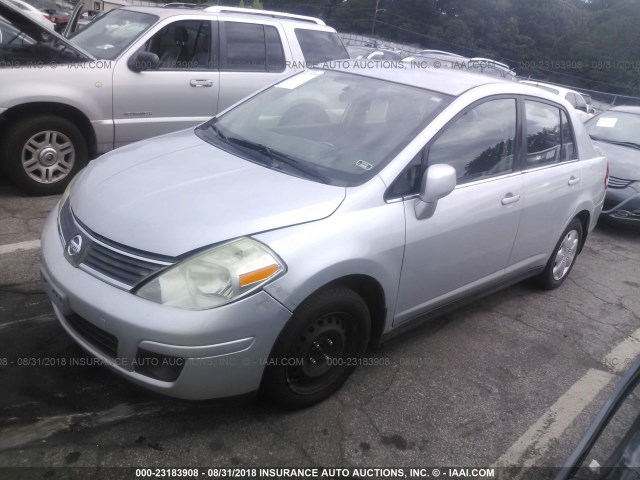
<point x="573" y="180"/>
<point x="201" y="83"/>
<point x="510" y="198"/>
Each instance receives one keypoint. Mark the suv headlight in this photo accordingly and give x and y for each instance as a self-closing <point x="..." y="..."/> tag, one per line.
<point x="215" y="277"/>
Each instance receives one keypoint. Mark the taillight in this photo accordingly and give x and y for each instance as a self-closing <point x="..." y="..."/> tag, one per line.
<point x="48" y="17"/>
<point x="606" y="178"/>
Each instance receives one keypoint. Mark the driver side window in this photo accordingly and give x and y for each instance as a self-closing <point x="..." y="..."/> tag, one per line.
<point x="183" y="45"/>
<point x="480" y="143"/>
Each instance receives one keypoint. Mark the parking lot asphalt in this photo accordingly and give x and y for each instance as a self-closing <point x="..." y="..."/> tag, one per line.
<point x="514" y="378"/>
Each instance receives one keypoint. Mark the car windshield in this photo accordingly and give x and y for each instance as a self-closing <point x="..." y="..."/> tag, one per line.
<point x="615" y="127"/>
<point x="108" y="36"/>
<point x="332" y="127"/>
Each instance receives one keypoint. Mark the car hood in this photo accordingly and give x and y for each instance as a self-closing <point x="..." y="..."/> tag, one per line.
<point x="624" y="162"/>
<point x="34" y="29"/>
<point x="173" y="194"/>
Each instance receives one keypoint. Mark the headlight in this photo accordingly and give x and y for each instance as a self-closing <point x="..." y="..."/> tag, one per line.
<point x="215" y="277"/>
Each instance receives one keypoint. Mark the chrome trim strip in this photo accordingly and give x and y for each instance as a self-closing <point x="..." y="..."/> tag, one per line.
<point x="126" y="254"/>
<point x="551" y="165"/>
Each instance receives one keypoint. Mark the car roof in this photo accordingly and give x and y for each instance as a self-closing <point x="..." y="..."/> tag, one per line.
<point x="231" y="13"/>
<point x="561" y="90"/>
<point x="626" y="109"/>
<point x="444" y="80"/>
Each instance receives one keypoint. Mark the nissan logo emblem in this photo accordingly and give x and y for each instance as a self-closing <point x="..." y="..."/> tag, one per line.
<point x="74" y="246"/>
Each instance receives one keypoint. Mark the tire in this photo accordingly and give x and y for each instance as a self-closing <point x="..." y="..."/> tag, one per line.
<point x="333" y="324"/>
<point x="563" y="257"/>
<point x="43" y="153"/>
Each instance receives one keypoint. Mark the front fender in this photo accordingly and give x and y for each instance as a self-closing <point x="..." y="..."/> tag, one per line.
<point x="366" y="242"/>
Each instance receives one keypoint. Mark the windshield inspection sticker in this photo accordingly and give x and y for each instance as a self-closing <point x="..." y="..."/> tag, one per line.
<point x="297" y="80"/>
<point x="607" y="122"/>
<point x="363" y="164"/>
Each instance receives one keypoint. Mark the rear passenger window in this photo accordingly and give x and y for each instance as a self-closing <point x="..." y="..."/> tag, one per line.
<point x="250" y="47"/>
<point x="480" y="143"/>
<point x="318" y="46"/>
<point x="547" y="141"/>
<point x="275" y="55"/>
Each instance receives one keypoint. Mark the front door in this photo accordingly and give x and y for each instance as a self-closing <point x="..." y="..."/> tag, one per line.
<point x="181" y="92"/>
<point x="466" y="244"/>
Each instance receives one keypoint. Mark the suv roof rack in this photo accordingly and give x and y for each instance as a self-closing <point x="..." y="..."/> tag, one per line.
<point x="265" y="13"/>
<point x="439" y="52"/>
<point x="491" y="61"/>
<point x="185" y="5"/>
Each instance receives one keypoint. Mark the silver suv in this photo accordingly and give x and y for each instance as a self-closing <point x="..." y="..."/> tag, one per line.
<point x="135" y="73"/>
<point x="269" y="247"/>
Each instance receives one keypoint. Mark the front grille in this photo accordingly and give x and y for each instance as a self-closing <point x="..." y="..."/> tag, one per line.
<point x="615" y="182"/>
<point x="116" y="262"/>
<point x="118" y="266"/>
<point x="100" y="339"/>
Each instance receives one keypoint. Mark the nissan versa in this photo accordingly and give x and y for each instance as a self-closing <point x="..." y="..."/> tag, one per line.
<point x="267" y="248"/>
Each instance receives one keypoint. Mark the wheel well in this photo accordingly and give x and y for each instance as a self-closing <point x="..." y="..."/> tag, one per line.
<point x="51" y="108"/>
<point x="373" y="295"/>
<point x="585" y="219"/>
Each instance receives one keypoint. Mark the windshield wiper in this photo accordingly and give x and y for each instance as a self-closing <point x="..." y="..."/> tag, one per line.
<point x="276" y="156"/>
<point x="616" y="142"/>
<point x="212" y="126"/>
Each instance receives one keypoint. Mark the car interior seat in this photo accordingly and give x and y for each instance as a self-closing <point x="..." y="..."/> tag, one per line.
<point x="177" y="51"/>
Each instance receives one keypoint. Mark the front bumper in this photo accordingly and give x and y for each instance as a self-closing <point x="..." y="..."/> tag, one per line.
<point x="622" y="205"/>
<point x="211" y="353"/>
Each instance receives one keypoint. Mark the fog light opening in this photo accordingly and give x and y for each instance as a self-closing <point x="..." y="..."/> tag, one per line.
<point x="166" y="368"/>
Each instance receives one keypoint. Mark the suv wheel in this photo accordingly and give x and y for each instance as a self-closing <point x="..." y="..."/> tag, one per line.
<point x="318" y="349"/>
<point x="43" y="153"/>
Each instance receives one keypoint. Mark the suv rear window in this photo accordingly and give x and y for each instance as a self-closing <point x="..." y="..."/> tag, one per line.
<point x="318" y="47"/>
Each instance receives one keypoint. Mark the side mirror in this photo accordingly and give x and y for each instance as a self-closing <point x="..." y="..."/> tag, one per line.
<point x="143" y="61"/>
<point x="438" y="181"/>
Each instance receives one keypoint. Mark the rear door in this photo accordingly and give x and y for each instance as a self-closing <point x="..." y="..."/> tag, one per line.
<point x="552" y="176"/>
<point x="181" y="92"/>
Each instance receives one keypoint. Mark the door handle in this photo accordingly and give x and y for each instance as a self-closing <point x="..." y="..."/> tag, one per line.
<point x="573" y="180"/>
<point x="201" y="83"/>
<point x="510" y="198"/>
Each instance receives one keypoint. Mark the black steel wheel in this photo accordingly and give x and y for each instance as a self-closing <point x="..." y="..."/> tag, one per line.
<point x="318" y="349"/>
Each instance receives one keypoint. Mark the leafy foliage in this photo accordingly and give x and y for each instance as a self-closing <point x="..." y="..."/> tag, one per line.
<point x="586" y="43"/>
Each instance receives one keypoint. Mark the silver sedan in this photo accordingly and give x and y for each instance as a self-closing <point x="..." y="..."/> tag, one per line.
<point x="268" y="248"/>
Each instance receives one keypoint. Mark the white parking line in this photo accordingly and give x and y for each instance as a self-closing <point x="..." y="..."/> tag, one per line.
<point x="554" y="421"/>
<point x="531" y="447"/>
<point x="12" y="247"/>
<point x="623" y="355"/>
